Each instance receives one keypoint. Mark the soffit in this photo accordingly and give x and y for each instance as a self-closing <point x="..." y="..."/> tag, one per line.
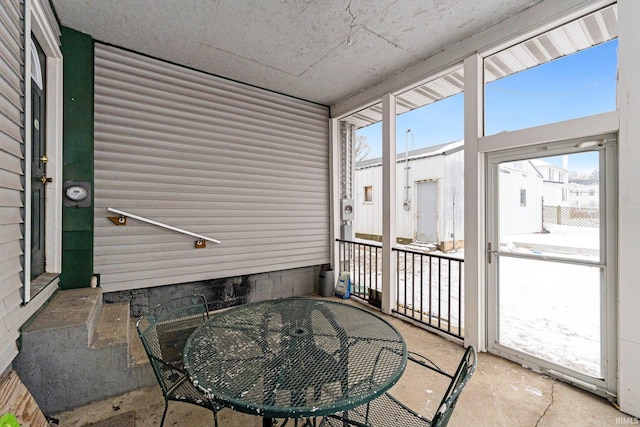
<point x="322" y="51"/>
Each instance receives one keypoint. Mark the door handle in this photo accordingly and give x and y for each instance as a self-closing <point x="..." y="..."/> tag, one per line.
<point x="45" y="180"/>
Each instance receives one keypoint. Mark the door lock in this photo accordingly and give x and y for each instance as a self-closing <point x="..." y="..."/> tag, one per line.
<point x="44" y="159"/>
<point x="45" y="180"/>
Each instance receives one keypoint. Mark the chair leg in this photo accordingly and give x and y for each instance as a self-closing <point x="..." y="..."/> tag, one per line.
<point x="215" y="418"/>
<point x="164" y="414"/>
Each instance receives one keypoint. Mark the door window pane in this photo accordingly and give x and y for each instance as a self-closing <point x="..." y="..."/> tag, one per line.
<point x="552" y="311"/>
<point x="543" y="216"/>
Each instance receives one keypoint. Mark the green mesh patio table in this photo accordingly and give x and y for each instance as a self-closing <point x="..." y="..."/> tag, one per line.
<point x="294" y="358"/>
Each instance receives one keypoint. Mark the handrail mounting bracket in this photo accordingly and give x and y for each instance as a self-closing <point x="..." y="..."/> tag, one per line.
<point x="118" y="220"/>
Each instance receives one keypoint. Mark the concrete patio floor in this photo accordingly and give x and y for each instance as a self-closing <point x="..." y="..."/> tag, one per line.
<point x="501" y="393"/>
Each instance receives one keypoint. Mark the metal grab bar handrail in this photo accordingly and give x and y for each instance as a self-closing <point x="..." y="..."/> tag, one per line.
<point x="160" y="224"/>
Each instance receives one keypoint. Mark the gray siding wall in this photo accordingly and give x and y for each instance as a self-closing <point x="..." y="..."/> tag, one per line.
<point x="222" y="159"/>
<point x="11" y="173"/>
<point x="13" y="313"/>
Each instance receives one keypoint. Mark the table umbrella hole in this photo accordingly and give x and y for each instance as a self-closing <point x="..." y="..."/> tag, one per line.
<point x="298" y="332"/>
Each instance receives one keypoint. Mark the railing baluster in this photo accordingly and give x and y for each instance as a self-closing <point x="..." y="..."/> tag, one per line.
<point x="449" y="295"/>
<point x="430" y="289"/>
<point x="377" y="255"/>
<point x="356" y="267"/>
<point x="405" y="284"/>
<point x="439" y="293"/>
<point x="370" y="270"/>
<point x="397" y="281"/>
<point x="362" y="285"/>
<point x="459" y="298"/>
<point x="413" y="285"/>
<point x="421" y="287"/>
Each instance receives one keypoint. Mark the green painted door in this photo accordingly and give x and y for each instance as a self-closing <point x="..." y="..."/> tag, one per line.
<point x="38" y="164"/>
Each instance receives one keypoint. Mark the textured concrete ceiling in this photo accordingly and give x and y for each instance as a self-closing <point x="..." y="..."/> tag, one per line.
<point x="319" y="50"/>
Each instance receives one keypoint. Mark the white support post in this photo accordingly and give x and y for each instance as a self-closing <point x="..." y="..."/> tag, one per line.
<point x="334" y="193"/>
<point x="388" y="202"/>
<point x="474" y="181"/>
<point x="629" y="206"/>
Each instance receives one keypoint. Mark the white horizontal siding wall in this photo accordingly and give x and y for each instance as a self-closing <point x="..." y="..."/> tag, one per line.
<point x="222" y="159"/>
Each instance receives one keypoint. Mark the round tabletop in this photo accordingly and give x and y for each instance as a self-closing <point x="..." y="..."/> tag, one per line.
<point x="295" y="357"/>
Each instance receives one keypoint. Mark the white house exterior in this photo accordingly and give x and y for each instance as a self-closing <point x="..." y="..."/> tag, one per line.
<point x="559" y="190"/>
<point x="521" y="190"/>
<point x="556" y="186"/>
<point x="429" y="202"/>
<point x="584" y="194"/>
<point x="429" y="196"/>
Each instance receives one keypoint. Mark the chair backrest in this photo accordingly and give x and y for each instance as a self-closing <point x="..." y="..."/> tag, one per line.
<point x="459" y="380"/>
<point x="164" y="331"/>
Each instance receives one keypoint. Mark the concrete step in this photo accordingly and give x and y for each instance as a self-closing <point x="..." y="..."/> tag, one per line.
<point x="112" y="327"/>
<point x="77" y="350"/>
<point x="137" y="354"/>
<point x="70" y="313"/>
<point x="420" y="247"/>
<point x="115" y="327"/>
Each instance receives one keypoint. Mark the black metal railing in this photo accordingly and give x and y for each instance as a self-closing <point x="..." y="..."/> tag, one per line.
<point x="429" y="287"/>
<point x="430" y="290"/>
<point x="364" y="263"/>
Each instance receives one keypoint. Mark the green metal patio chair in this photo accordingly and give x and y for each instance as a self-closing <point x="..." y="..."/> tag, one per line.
<point x="164" y="331"/>
<point x="387" y="411"/>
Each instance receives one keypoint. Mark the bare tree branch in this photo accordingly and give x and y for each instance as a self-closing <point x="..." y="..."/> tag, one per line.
<point x="362" y="148"/>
